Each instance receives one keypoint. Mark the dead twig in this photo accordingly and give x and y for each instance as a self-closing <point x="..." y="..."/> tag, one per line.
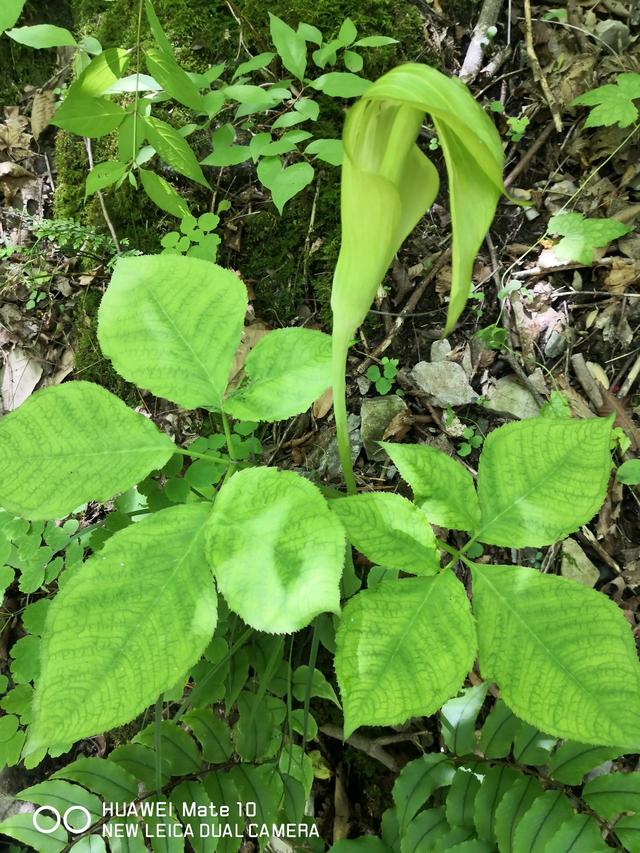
<point x="529" y="154"/>
<point x="480" y="39"/>
<point x="586" y="380"/>
<point x="536" y="68"/>
<point x="410" y="305"/>
<point x="364" y="744"/>
<point x="105" y="212"/>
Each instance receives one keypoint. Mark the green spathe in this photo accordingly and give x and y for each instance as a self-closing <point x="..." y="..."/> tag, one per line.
<point x="387" y="186"/>
<point x="107" y="656"/>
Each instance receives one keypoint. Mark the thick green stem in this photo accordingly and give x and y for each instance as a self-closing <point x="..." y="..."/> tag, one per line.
<point x="340" y="349"/>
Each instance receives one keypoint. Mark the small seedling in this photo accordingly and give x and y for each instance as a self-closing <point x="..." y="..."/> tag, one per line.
<point x="517" y="127"/>
<point x="472" y="441"/>
<point x="383" y="378"/>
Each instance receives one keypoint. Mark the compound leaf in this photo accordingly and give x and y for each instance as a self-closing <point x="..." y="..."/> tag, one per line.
<point x="539" y="480"/>
<point x="540" y="823"/>
<point x="614" y="793"/>
<point x="514" y="804"/>
<point x="497" y="782"/>
<point x="579" y="834"/>
<point x="458" y="719"/>
<point x="384" y="675"/>
<point x="276" y="549"/>
<point x="177" y="747"/>
<point x="627" y="829"/>
<point x="73" y="443"/>
<point x="106" y="657"/>
<point x="171" y="324"/>
<point x="163" y="194"/>
<point x="442" y="487"/>
<point x="389" y="530"/>
<point x="20" y="827"/>
<point x="498" y="731"/>
<point x="101" y="73"/>
<point x="174" y="149"/>
<point x="571" y="761"/>
<point x="417" y="782"/>
<point x="61" y="795"/>
<point x="582" y="236"/>
<point x="576" y="641"/>
<point x="287" y="370"/>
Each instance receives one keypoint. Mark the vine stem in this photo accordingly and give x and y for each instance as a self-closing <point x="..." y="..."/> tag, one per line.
<point x="157" y="741"/>
<point x="136" y="97"/>
<point x="339" y="365"/>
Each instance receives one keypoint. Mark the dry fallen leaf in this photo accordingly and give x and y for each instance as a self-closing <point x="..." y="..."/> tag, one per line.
<point x="250" y="337"/>
<point x="42" y="110"/>
<point x="623" y="274"/>
<point x="323" y="404"/>
<point x="13" y="177"/>
<point x="20" y="375"/>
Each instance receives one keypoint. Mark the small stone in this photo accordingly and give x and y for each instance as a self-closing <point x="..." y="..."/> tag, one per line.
<point x="576" y="565"/>
<point x="375" y="416"/>
<point x="363" y="385"/>
<point x="614" y="33"/>
<point x="556" y="345"/>
<point x="330" y="464"/>
<point x="445" y="381"/>
<point x="509" y="397"/>
<point x="440" y="350"/>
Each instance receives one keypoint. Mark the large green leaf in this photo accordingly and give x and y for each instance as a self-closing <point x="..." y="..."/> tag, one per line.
<point x="71" y="444"/>
<point x="42" y="36"/>
<point x="20" y="827"/>
<point x="276" y="549"/>
<point x="174" y="149"/>
<point x="287" y="370"/>
<point x="107" y="656"/>
<point x="579" y="834"/>
<point x="10" y="12"/>
<point x="442" y="487"/>
<point x="576" y="642"/>
<point x="101" y="73"/>
<point x="389" y="530"/>
<point x="88" y="116"/>
<point x="163" y="194"/>
<point x="176" y="82"/>
<point x="403" y="648"/>
<point x="111" y="781"/>
<point x="291" y="46"/>
<point x="541" y="479"/>
<point x="60" y="795"/>
<point x="171" y="324"/>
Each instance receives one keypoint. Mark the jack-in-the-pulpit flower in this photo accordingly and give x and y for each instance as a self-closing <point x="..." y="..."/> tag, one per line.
<point x="388" y="184"/>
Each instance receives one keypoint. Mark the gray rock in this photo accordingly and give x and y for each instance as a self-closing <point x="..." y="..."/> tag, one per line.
<point x="375" y="415"/>
<point x="445" y="381"/>
<point x="510" y="398"/>
<point x="440" y="350"/>
<point x="614" y="33"/>
<point x="576" y="565"/>
<point x="330" y="463"/>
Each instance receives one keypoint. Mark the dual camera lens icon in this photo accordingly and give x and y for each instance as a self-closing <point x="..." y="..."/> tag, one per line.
<point x="63" y="819"/>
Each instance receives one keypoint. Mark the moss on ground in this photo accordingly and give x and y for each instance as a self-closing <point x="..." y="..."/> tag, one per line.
<point x="22" y="66"/>
<point x="284" y="261"/>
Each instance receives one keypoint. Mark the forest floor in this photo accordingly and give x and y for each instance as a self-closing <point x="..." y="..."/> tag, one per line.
<point x="539" y="330"/>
